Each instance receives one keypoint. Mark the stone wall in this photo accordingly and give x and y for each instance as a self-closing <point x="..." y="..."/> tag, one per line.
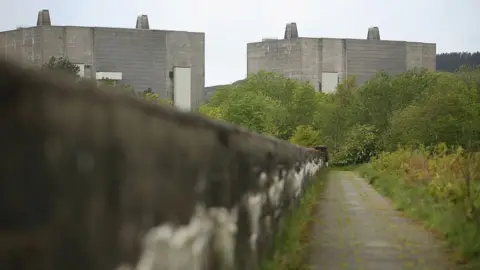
<point x="93" y="180"/>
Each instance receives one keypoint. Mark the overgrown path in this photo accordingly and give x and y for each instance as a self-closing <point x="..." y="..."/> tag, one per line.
<point x="358" y="229"/>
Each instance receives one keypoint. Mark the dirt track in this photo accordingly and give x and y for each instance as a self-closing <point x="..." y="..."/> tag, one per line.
<point x="358" y="229"/>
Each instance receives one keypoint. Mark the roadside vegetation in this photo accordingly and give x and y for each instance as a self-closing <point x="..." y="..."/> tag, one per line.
<point x="440" y="187"/>
<point x="292" y="245"/>
<point x="415" y="136"/>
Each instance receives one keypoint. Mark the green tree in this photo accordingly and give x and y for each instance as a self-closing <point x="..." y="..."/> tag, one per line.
<point x="339" y="113"/>
<point x="375" y="101"/>
<point x="211" y="111"/>
<point x="265" y="102"/>
<point x="153" y="97"/>
<point x="61" y="64"/>
<point x="449" y="114"/>
<point x="359" y="146"/>
<point x="306" y="136"/>
<point x="253" y="111"/>
<point x="415" y="107"/>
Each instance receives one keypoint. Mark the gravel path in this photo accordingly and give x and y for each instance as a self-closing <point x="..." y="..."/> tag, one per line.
<point x="358" y="229"/>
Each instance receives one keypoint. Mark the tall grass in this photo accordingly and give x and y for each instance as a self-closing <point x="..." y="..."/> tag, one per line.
<point x="292" y="246"/>
<point x="439" y="187"/>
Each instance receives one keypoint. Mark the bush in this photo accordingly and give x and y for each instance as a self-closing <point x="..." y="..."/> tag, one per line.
<point x="306" y="136"/>
<point x="358" y="147"/>
<point x="412" y="108"/>
<point x="61" y="64"/>
<point x="267" y="103"/>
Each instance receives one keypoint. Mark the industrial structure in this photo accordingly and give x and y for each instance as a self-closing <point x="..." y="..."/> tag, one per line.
<point x="324" y="62"/>
<point x="171" y="63"/>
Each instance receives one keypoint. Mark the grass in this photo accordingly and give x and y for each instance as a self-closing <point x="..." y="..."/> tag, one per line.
<point x="448" y="218"/>
<point x="292" y="245"/>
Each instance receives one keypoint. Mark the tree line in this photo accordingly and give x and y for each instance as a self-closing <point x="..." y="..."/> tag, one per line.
<point x="453" y="61"/>
<point x="418" y="107"/>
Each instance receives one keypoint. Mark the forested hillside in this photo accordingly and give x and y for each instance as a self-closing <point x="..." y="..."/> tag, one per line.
<point x="452" y="61"/>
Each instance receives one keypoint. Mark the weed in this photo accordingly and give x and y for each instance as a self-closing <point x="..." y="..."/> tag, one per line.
<point x="292" y="245"/>
<point x="439" y="187"/>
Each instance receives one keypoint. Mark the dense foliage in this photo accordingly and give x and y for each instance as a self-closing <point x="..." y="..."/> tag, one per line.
<point x="415" y="108"/>
<point x="441" y="187"/>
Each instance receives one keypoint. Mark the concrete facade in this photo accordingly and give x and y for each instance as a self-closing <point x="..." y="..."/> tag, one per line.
<point x="144" y="57"/>
<point x="321" y="60"/>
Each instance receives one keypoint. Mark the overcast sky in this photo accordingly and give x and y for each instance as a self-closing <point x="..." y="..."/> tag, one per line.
<point x="230" y="25"/>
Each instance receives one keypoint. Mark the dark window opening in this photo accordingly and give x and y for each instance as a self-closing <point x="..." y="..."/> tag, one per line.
<point x="320" y="86"/>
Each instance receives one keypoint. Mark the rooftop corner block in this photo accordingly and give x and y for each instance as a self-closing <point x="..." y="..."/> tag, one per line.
<point x="373" y="33"/>
<point x="291" y="31"/>
<point x="142" y="22"/>
<point x="44" y="18"/>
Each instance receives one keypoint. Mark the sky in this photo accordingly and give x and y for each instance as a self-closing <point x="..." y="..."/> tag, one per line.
<point x="230" y="25"/>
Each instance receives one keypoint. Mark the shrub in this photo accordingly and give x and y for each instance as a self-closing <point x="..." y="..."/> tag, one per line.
<point x="358" y="147"/>
<point x="441" y="186"/>
<point x="306" y="136"/>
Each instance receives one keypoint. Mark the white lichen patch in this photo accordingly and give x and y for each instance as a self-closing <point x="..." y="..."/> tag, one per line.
<point x="181" y="247"/>
<point x="313" y="167"/>
<point x="275" y="191"/>
<point x="263" y="179"/>
<point x="254" y="203"/>
<point x="187" y="247"/>
<point x="224" y="234"/>
<point x="298" y="178"/>
<point x="309" y="168"/>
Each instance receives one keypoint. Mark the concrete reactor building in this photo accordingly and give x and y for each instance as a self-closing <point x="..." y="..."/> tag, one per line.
<point x="171" y="63"/>
<point x="324" y="62"/>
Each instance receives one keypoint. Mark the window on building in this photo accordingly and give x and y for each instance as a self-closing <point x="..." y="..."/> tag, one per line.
<point x="320" y="87"/>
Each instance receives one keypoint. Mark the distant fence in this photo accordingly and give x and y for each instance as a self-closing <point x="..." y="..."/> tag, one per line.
<point x="91" y="180"/>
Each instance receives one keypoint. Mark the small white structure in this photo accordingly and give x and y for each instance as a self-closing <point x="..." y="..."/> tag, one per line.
<point x="114" y="76"/>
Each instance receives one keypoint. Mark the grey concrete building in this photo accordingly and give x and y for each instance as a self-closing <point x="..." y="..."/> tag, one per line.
<point x="171" y="63"/>
<point x="324" y="62"/>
